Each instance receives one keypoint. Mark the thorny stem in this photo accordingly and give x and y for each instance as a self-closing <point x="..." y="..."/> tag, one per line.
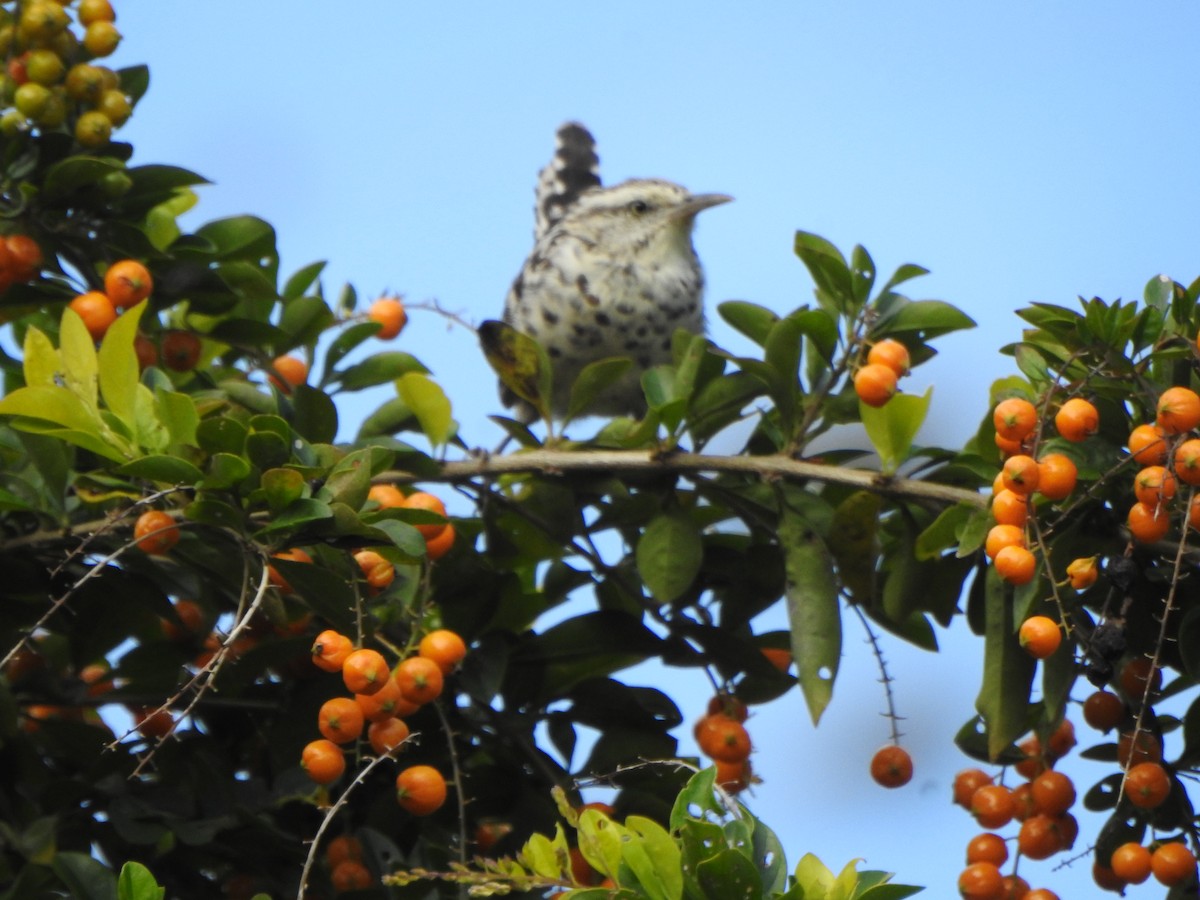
<point x="337" y="805"/>
<point x="885" y="677"/>
<point x="456" y="776"/>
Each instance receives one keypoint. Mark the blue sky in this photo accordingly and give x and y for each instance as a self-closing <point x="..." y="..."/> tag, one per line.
<point x="1021" y="151"/>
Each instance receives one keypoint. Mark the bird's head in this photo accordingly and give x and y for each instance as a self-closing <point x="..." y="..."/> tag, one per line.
<point x="639" y="214"/>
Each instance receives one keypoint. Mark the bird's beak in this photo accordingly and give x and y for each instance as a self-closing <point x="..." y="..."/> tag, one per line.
<point x="697" y="203"/>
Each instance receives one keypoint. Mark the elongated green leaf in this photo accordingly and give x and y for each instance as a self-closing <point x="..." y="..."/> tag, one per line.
<point x="853" y="540"/>
<point x="168" y="469"/>
<point x="302" y="280"/>
<point x="669" y="554"/>
<point x="654" y="858"/>
<point x="88" y="440"/>
<point x="813" y="877"/>
<point x="893" y="427"/>
<point x="51" y="404"/>
<point x="42" y="362"/>
<point x="136" y="883"/>
<point x="1003" y="699"/>
<point x="298" y="513"/>
<point x="378" y="369"/>
<point x="119" y="366"/>
<point x="80" y="368"/>
<point x="813" y="611"/>
<point x="593" y="379"/>
<point x="87" y="878"/>
<point x="521" y="363"/>
<point x="429" y="403"/>
<point x="600" y="842"/>
<point x="316" y="416"/>
<point x="178" y="413"/>
<point x="750" y="319"/>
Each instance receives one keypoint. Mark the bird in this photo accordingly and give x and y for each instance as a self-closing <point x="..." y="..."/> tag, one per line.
<point x="612" y="273"/>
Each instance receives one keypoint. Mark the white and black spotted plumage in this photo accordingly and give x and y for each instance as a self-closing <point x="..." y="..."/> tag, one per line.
<point x="612" y="272"/>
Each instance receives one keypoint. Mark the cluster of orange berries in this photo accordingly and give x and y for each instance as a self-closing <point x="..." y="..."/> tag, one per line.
<point x="1168" y="454"/>
<point x="126" y="283"/>
<point x="721" y="735"/>
<point x="439" y="536"/>
<point x="1022" y="478"/>
<point x="50" y="80"/>
<point x="887" y="361"/>
<point x="381" y="697"/>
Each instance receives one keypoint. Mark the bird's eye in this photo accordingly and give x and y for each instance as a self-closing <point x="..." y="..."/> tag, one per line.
<point x="638" y="207"/>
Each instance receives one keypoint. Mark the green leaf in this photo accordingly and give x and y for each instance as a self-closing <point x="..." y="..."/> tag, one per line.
<point x="349" y="481"/>
<point x="119" y="366"/>
<point x="42" y="362"/>
<point x="80" y="368"/>
<point x="166" y="469"/>
<point x="429" y="403"/>
<point x="85" y="877"/>
<point x="893" y="427"/>
<point x="178" y="413"/>
<point x="654" y="858"/>
<point x="926" y="318"/>
<point x="316" y="418"/>
<point x="393" y="416"/>
<point x="697" y="794"/>
<point x="282" y="487"/>
<point x="52" y="404"/>
<point x="729" y="873"/>
<point x="221" y="435"/>
<point x="669" y="554"/>
<point x="750" y="319"/>
<point x="378" y="369"/>
<point x="594" y="379"/>
<point x="344" y="343"/>
<point x="600" y="842"/>
<point x="302" y="280"/>
<point x="299" y="513"/>
<point x="541" y="856"/>
<point x="813" y="612"/>
<point x="1003" y="699"/>
<point x="69" y="175"/>
<point x="519" y="361"/>
<point x="854" y="543"/>
<point x="225" y="470"/>
<point x="942" y="533"/>
<point x="827" y="267"/>
<point x="245" y="236"/>
<point x="303" y="320"/>
<point x="136" y="883"/>
<point x="813" y="877"/>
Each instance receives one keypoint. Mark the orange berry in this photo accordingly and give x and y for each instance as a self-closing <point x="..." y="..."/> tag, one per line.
<point x="1053" y="793"/>
<point x="24" y="257"/>
<point x="289" y="372"/>
<point x="1187" y="461"/>
<point x="1130" y="862"/>
<point x="1033" y="763"/>
<point x="155" y="532"/>
<point x="875" y="384"/>
<point x="1040" y="636"/>
<point x="1039" y="837"/>
<point x="1154" y="485"/>
<point x="1147" y="748"/>
<point x="146" y="351"/>
<point x="378" y="571"/>
<point x="365" y="672"/>
<point x="180" y="350"/>
<point x="1148" y="523"/>
<point x="436" y="548"/>
<point x="1061" y="740"/>
<point x="420" y="679"/>
<point x="966" y="783"/>
<point x="892" y="767"/>
<point x="295" y="554"/>
<point x="421" y="790"/>
<point x="390" y="314"/>
<point x="1010" y="509"/>
<point x="127" y="283"/>
<point x="890" y="353"/>
<point x="1015" y="418"/>
<point x="1147" y="446"/>
<point x="1001" y="536"/>
<point x="1016" y="565"/>
<point x="429" y="503"/>
<point x="1106" y="879"/>
<point x="1039" y="894"/>
<point x="1134" y="676"/>
<point x="385" y="736"/>
<point x="1006" y="447"/>
<point x="1172" y="863"/>
<point x="350" y="875"/>
<point x="1083" y="572"/>
<point x="1103" y="710"/>
<point x="388" y="496"/>
<point x="343" y="847"/>
<point x="384" y="703"/>
<point x="722" y="738"/>
<point x="733" y="777"/>
<point x="330" y="649"/>
<point x="992" y="806"/>
<point x="340" y="720"/>
<point x="1147" y="785"/>
<point x="444" y="647"/>
<point x="1178" y="410"/>
<point x="981" y="881"/>
<point x="323" y="761"/>
<point x="97" y="312"/>
<point x="1021" y="474"/>
<point x="1023" y="793"/>
<point x="153" y="723"/>
<point x="780" y="658"/>
<point x="987" y="847"/>
<point x="1056" y="476"/>
<point x="1077" y="420"/>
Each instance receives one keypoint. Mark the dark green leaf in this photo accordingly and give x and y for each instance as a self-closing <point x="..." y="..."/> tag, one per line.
<point x="64" y="178"/>
<point x="302" y="280"/>
<point x="1003" y="699"/>
<point x="221" y="435"/>
<point x="813" y="611"/>
<point x="168" y="469"/>
<point x="282" y="487"/>
<point x="594" y="379"/>
<point x="378" y="369"/>
<point x="297" y="514"/>
<point x="750" y="319"/>
<point x="303" y="320"/>
<point x="669" y="554"/>
<point x="316" y="416"/>
<point x="85" y="877"/>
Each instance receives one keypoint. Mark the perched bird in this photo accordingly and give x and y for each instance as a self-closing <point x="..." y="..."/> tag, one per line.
<point x="612" y="273"/>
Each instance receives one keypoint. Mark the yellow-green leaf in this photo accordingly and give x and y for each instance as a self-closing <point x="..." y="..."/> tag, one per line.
<point x="893" y="426"/>
<point x="42" y="362"/>
<point x="600" y="840"/>
<point x="80" y="368"/>
<point x="430" y="405"/>
<point x="119" y="368"/>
